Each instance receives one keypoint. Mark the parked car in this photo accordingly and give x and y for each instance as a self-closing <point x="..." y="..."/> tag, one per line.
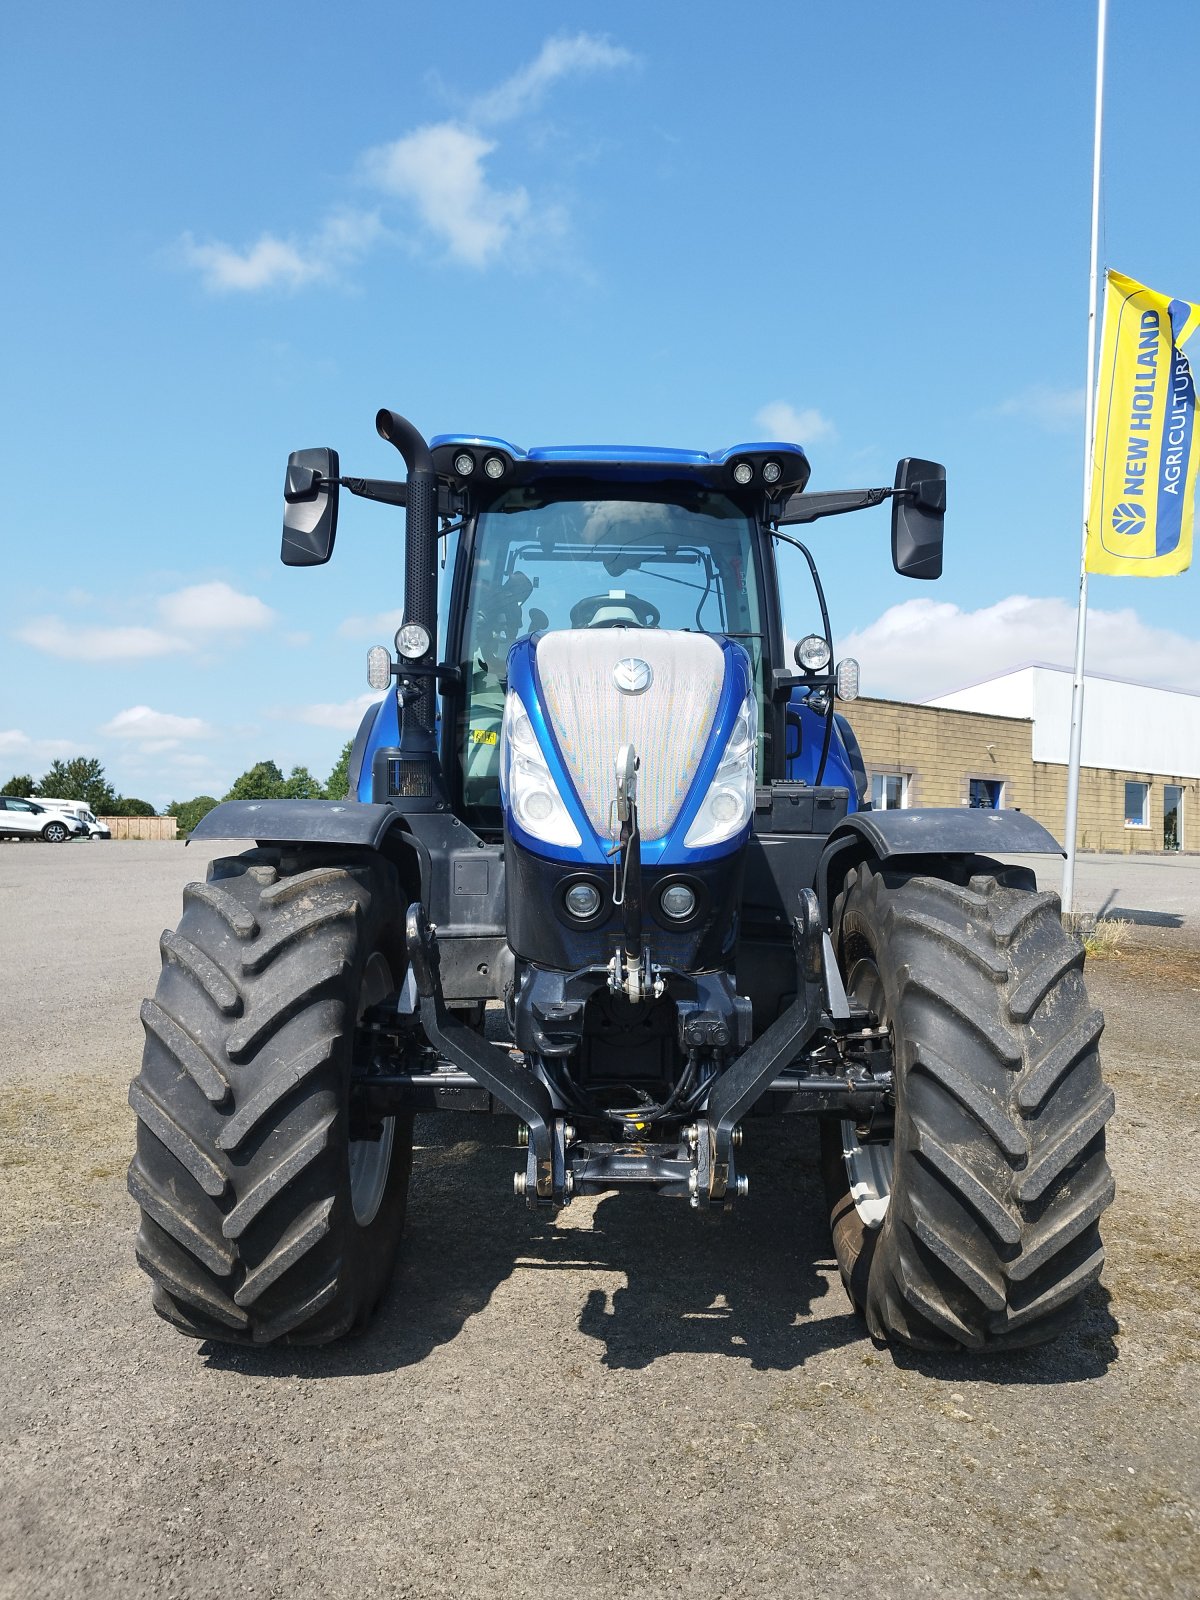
<point x="33" y="819"/>
<point x="81" y="811"/>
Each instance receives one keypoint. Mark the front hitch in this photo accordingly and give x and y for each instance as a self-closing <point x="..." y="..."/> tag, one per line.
<point x="754" y="1071"/>
<point x="545" y="1172"/>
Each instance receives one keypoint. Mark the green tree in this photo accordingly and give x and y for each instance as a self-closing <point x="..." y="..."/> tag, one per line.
<point x="263" y="781"/>
<point x="128" y="806"/>
<point x="187" y="813"/>
<point x="80" y="778"/>
<point x="21" y="783"/>
<point x="301" y="785"/>
<point x="338" y="787"/>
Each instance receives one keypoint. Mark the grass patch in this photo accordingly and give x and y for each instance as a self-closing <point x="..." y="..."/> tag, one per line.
<point x="63" y="1147"/>
<point x="1103" y="937"/>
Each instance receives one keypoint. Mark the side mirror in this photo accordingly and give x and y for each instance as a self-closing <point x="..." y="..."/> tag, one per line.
<point x="310" y="506"/>
<point x="918" y="518"/>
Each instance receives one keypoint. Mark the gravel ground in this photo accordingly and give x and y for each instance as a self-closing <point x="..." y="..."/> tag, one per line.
<point x="625" y="1400"/>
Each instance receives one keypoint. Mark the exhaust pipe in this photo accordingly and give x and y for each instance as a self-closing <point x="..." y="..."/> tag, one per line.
<point x="416" y="774"/>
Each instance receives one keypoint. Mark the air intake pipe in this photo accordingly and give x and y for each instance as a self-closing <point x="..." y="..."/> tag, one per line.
<point x="417" y="775"/>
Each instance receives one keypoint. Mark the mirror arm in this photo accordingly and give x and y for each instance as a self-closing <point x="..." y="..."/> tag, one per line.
<point x="382" y="489"/>
<point x="390" y="492"/>
<point x="808" y="507"/>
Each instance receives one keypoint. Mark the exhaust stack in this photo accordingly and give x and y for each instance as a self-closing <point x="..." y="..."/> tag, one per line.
<point x="414" y="771"/>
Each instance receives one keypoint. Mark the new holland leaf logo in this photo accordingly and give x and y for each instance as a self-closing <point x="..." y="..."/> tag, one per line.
<point x="1128" y="518"/>
<point x="633" y="675"/>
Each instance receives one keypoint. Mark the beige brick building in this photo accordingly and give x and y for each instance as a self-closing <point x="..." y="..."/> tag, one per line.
<point x="935" y="755"/>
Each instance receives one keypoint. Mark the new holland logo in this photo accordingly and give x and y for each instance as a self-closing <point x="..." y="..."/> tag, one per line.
<point x="632" y="675"/>
<point x="1128" y="518"/>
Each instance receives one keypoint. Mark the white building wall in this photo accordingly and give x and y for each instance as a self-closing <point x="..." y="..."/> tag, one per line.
<point x="1127" y="727"/>
<point x="1010" y="695"/>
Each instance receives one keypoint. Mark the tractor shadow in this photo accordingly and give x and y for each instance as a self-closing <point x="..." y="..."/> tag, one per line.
<point x="742" y="1285"/>
<point x="757" y="1285"/>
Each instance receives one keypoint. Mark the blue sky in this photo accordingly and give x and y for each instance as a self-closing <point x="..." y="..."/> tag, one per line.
<point x="237" y="230"/>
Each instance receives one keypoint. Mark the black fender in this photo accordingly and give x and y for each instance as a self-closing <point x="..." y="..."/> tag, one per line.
<point x="926" y="831"/>
<point x="299" y="822"/>
<point x="339" y="824"/>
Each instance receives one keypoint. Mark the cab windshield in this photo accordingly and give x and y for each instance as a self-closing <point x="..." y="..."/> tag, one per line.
<point x="589" y="562"/>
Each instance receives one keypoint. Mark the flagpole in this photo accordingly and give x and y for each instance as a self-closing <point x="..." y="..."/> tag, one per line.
<point x="1072" y="822"/>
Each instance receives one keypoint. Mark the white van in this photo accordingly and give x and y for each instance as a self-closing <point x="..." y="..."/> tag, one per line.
<point x="81" y="812"/>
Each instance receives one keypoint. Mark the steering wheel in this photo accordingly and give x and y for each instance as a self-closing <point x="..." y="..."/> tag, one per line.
<point x="616" y="610"/>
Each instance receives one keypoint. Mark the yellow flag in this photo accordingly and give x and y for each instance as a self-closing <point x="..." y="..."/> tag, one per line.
<point x="1146" y="447"/>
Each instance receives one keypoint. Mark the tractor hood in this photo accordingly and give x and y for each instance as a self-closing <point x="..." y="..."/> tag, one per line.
<point x="684" y="701"/>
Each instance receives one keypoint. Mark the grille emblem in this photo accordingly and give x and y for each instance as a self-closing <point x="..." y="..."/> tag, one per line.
<point x="633" y="675"/>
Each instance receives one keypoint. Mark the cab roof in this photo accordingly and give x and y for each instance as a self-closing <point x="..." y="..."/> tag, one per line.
<point x="623" y="463"/>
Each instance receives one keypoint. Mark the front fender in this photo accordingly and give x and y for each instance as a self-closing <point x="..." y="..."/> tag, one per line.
<point x="927" y="831"/>
<point x="337" y="822"/>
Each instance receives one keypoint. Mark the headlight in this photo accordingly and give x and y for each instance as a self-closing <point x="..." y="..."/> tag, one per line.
<point x="412" y="640"/>
<point x="729" y="803"/>
<point x="678" y="901"/>
<point x="582" y="900"/>
<point x="813" y="653"/>
<point x="464" y="464"/>
<point x="527" y="785"/>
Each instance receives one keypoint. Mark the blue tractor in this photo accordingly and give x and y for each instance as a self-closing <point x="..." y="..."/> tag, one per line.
<point x="609" y="865"/>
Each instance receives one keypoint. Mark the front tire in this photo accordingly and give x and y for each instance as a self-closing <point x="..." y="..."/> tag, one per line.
<point x="261" y="1219"/>
<point x="981" y="1232"/>
<point x="56" y="833"/>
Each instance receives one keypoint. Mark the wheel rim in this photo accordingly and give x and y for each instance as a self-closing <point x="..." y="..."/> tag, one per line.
<point x="868" y="1166"/>
<point x="55" y="834"/>
<point x="371" y="1159"/>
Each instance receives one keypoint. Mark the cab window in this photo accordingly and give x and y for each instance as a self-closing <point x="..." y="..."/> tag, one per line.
<point x="598" y="560"/>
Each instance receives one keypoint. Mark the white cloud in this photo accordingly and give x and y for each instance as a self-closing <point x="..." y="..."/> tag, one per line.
<point x="214" y="608"/>
<point x="558" y="58"/>
<point x="72" y="643"/>
<point x="186" y="614"/>
<point x="17" y="746"/>
<point x="140" y="722"/>
<point x="379" y="627"/>
<point x="345" y="716"/>
<point x="787" y="425"/>
<point x="269" y="263"/>
<point x="440" y="170"/>
<point x="437" y="172"/>
<point x="922" y="648"/>
<point x="1054" y="410"/>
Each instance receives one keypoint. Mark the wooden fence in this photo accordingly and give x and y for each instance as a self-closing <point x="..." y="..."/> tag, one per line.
<point x="140" y="827"/>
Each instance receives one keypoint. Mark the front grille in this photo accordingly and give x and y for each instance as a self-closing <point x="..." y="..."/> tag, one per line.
<point x="668" y="724"/>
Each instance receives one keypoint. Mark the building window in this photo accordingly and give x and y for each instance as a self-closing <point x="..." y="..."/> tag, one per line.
<point x="1137" y="805"/>
<point x="986" y="794"/>
<point x="1172" y="816"/>
<point x="889" y="790"/>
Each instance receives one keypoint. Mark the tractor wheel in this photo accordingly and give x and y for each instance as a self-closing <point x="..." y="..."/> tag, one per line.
<point x="976" y="1225"/>
<point x="262" y="1217"/>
